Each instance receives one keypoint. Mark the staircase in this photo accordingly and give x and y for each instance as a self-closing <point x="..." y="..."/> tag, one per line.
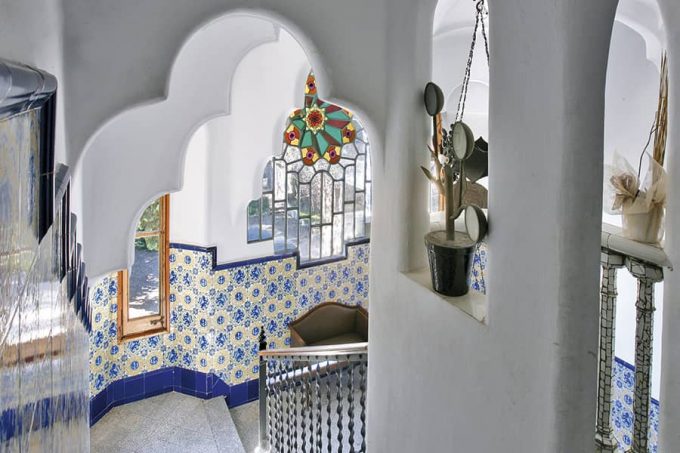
<point x="313" y="399"/>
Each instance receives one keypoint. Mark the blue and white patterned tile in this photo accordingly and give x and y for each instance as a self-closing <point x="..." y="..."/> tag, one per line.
<point x="623" y="387"/>
<point x="216" y="316"/>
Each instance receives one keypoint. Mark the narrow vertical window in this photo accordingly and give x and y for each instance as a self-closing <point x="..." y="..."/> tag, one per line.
<point x="143" y="307"/>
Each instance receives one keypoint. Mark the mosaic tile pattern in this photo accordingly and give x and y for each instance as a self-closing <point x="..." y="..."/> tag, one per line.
<point x="623" y="387"/>
<point x="478" y="272"/>
<point x="43" y="344"/>
<point x="216" y="315"/>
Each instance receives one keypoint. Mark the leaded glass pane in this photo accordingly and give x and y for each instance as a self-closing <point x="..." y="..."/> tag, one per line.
<point x="337" y="234"/>
<point x="279" y="226"/>
<point x="279" y="179"/>
<point x="338" y="196"/>
<point x="254" y="221"/>
<point x="315" y="245"/>
<point x="305" y="201"/>
<point x="369" y="197"/>
<point x="350" y="151"/>
<point x="337" y="172"/>
<point x="360" y="173"/>
<point x="292" y="195"/>
<point x="306" y="174"/>
<point x="369" y="169"/>
<point x="326" y="241"/>
<point x="349" y="184"/>
<point x="327" y="207"/>
<point x="267" y="206"/>
<point x="316" y="196"/>
<point x="321" y="165"/>
<point x="349" y="221"/>
<point x="268" y="178"/>
<point x="304" y="238"/>
<point x="292" y="230"/>
<point x="311" y="190"/>
<point x="292" y="154"/>
<point x="359" y="216"/>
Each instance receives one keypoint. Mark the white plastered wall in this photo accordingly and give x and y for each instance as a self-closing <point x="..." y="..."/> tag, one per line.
<point x="31" y="33"/>
<point x="438" y="380"/>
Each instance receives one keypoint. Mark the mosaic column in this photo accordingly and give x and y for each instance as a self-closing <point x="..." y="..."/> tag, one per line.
<point x="604" y="435"/>
<point x="647" y="275"/>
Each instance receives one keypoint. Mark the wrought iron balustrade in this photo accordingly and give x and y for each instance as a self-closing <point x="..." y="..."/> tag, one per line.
<point x="646" y="263"/>
<point x="313" y="399"/>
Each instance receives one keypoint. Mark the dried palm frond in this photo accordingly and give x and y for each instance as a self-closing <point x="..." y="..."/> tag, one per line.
<point x="661" y="129"/>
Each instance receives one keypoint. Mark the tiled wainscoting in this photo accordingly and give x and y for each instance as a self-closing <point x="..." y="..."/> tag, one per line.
<point x="217" y="312"/>
<point x="623" y="386"/>
<point x="170" y="379"/>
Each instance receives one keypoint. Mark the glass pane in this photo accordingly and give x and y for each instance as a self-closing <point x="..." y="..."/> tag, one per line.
<point x="361" y="172"/>
<point x="304" y="239"/>
<point x="337" y="234"/>
<point x="337" y="196"/>
<point x="267" y="216"/>
<point x="144" y="289"/>
<point x="327" y="207"/>
<point x="326" y="241"/>
<point x="292" y="154"/>
<point x="305" y="201"/>
<point x="254" y="220"/>
<point x="349" y="183"/>
<point x="268" y="178"/>
<point x="279" y="227"/>
<point x="279" y="180"/>
<point x="292" y="191"/>
<point x="292" y="233"/>
<point x="349" y="151"/>
<point x="349" y="221"/>
<point x="369" y="169"/>
<point x="151" y="217"/>
<point x="316" y="199"/>
<point x="369" y="208"/>
<point x="315" y="247"/>
<point x="359" y="217"/>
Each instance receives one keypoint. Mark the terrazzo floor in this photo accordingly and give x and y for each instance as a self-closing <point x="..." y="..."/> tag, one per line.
<point x="168" y="423"/>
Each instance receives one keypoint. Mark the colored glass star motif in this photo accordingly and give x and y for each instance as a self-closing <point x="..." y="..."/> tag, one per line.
<point x="320" y="129"/>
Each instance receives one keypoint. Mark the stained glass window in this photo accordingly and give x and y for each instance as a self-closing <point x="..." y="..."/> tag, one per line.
<point x="316" y="195"/>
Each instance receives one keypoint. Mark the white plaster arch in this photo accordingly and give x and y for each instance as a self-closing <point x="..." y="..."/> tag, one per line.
<point x="188" y="107"/>
<point x="169" y="124"/>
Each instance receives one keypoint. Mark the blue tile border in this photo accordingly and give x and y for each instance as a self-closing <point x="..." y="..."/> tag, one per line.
<point x="295" y="254"/>
<point x="632" y="368"/>
<point x="170" y="379"/>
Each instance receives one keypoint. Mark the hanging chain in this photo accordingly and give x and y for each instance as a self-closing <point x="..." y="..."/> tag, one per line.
<point x="479" y="19"/>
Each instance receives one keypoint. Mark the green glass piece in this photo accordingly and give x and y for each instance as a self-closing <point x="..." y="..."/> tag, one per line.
<point x="307" y="140"/>
<point x="323" y="144"/>
<point x="335" y="133"/>
<point x="299" y="123"/>
<point x="339" y="115"/>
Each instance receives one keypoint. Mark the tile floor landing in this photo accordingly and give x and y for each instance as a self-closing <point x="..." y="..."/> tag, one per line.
<point x="167" y="423"/>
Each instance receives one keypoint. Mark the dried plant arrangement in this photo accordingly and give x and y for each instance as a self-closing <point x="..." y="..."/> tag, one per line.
<point x="640" y="201"/>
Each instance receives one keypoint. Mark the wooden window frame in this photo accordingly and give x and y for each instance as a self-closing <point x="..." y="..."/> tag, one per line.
<point x="130" y="329"/>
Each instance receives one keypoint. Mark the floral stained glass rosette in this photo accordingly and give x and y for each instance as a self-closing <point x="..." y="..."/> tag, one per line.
<point x="319" y="129"/>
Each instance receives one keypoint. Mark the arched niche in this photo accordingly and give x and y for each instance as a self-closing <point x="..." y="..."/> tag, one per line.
<point x="140" y="153"/>
<point x="631" y="97"/>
